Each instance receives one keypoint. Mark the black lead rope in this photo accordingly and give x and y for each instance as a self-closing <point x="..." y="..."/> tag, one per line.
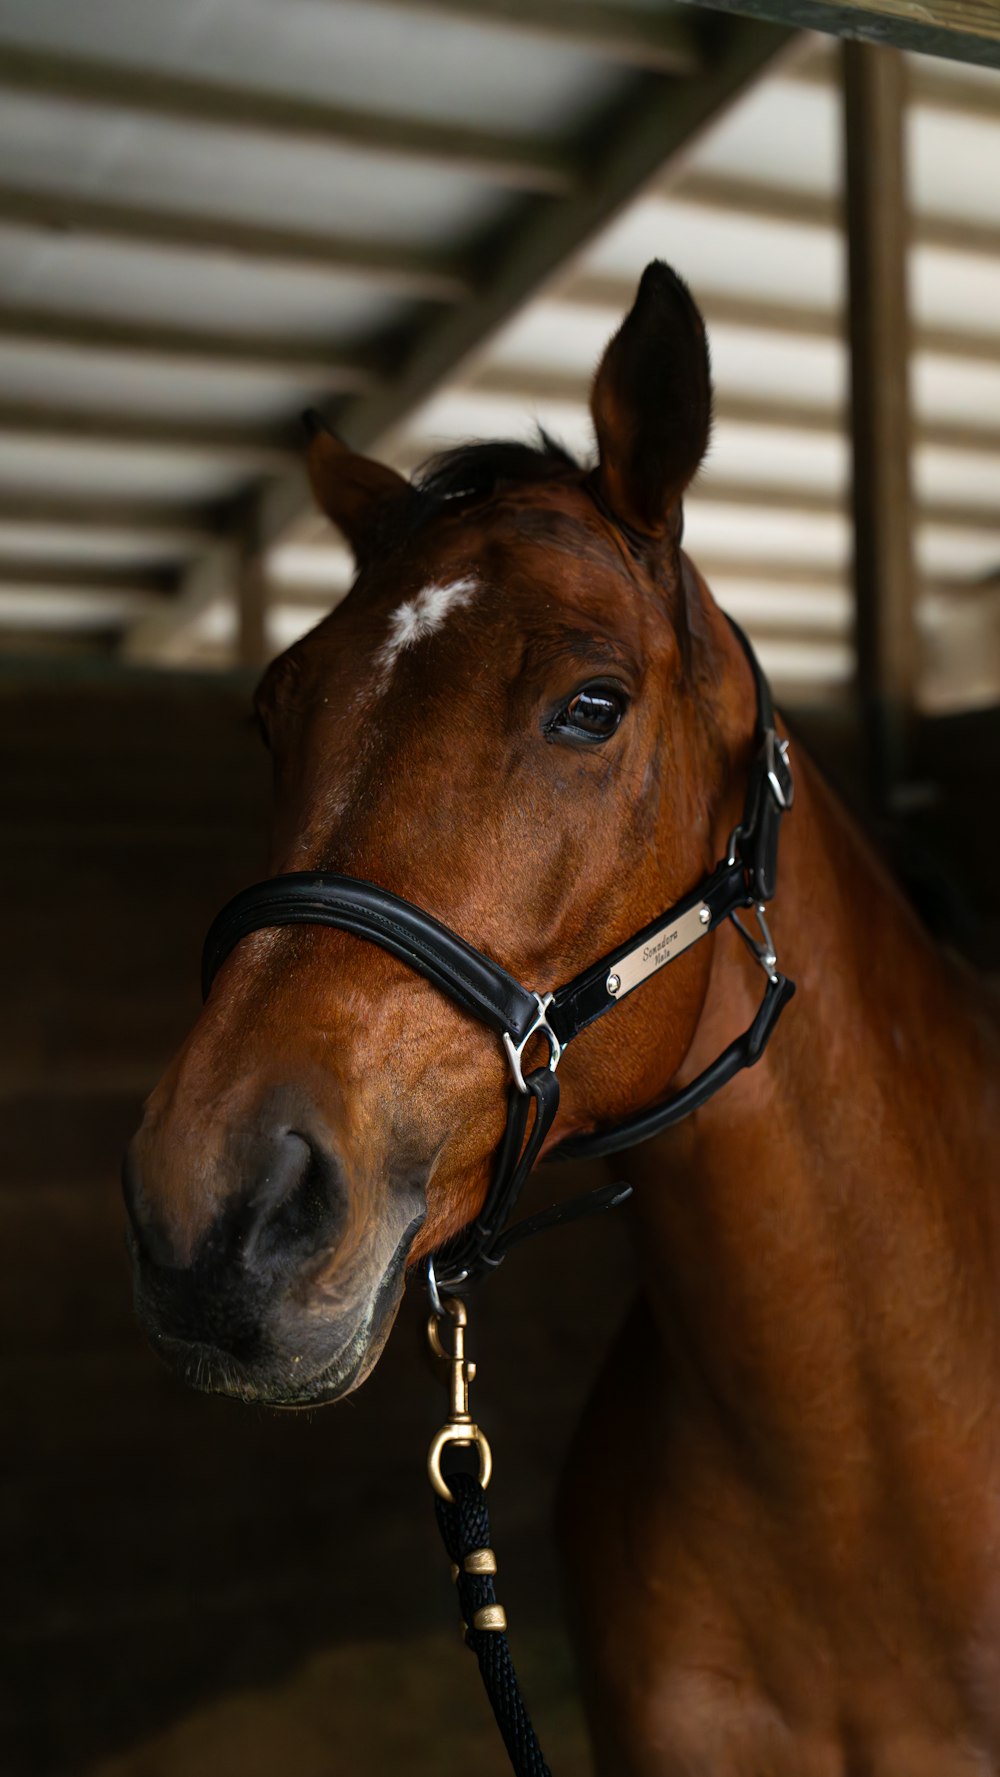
<point x="464" y="1523"/>
<point x="745" y="879"/>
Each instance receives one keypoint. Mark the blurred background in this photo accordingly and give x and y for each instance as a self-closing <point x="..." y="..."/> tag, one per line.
<point x="425" y="217"/>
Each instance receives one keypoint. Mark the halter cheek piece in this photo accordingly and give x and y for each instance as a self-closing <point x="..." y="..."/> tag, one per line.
<point x="746" y="878"/>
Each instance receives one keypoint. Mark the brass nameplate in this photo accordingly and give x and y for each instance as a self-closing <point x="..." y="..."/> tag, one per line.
<point x="646" y="958"/>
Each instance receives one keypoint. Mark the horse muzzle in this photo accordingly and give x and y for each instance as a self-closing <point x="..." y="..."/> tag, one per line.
<point x="280" y="1299"/>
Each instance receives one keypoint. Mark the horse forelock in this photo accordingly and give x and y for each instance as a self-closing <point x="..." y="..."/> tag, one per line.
<point x="463" y="478"/>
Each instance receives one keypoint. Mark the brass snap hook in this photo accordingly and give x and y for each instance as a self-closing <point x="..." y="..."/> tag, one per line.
<point x="459" y="1428"/>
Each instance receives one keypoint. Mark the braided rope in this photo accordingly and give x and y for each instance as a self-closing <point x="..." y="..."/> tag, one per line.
<point x="464" y="1522"/>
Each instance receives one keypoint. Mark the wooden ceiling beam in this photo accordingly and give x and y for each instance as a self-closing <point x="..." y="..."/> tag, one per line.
<point x="967" y="30"/>
<point x="239" y="447"/>
<point x="943" y="88"/>
<point x="528" y="383"/>
<point x="661" y="41"/>
<point x="403" y="270"/>
<point x="812" y="209"/>
<point x="822" y="503"/>
<point x="763" y="627"/>
<point x="802" y="320"/>
<point x="184" y="520"/>
<point x="768" y="571"/>
<point x="307" y="361"/>
<point x="84" y="577"/>
<point x="41" y="606"/>
<point x="523" y="165"/>
<point x="159" y="532"/>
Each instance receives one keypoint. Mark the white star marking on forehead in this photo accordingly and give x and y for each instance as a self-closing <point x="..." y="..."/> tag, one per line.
<point x="418" y="618"/>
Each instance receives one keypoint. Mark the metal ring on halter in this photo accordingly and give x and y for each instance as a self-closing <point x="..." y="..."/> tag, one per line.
<point x="762" y="949"/>
<point x="541" y="1027"/>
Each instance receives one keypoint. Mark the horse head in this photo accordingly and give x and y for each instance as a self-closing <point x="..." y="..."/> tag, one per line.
<point x="518" y="720"/>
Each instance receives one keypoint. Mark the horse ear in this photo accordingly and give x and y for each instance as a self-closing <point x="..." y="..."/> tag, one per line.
<point x="652" y="403"/>
<point x="350" y="489"/>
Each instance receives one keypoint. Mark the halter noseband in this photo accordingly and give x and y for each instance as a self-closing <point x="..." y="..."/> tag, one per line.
<point x="745" y="878"/>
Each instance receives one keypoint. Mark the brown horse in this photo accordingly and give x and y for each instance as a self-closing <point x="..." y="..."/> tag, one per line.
<point x="530" y="718"/>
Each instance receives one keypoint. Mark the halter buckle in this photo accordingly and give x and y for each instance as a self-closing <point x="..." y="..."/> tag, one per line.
<point x="540" y="1027"/>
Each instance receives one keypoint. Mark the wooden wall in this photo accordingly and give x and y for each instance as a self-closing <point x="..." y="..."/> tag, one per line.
<point x="192" y="1587"/>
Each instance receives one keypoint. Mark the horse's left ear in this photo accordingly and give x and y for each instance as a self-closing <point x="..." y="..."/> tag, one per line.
<point x="652" y="404"/>
<point x="352" y="490"/>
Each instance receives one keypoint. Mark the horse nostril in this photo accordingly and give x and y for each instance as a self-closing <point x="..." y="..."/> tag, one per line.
<point x="297" y="1204"/>
<point x="308" y="1207"/>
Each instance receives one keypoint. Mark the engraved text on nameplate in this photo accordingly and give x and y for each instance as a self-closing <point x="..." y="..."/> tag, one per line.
<point x="646" y="958"/>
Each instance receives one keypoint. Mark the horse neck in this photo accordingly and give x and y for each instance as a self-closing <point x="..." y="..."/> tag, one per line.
<point x="825" y="1226"/>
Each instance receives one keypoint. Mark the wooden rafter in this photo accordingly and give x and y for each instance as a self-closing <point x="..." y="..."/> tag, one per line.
<point x="968" y="30"/>
<point x="826" y="503"/>
<point x="165" y="516"/>
<point x="404" y="270"/>
<point x="84" y="577"/>
<point x="661" y="40"/>
<point x="527" y="384"/>
<point x="502" y="160"/>
<point x="236" y="447"/>
<point x="783" y="203"/>
<point x="944" y="88"/>
<point x="147" y="531"/>
<point x="311" y="365"/>
<point x="937" y="89"/>
<point x="802" y="320"/>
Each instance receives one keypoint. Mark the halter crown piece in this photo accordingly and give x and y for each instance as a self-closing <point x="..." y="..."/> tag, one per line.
<point x="745" y="879"/>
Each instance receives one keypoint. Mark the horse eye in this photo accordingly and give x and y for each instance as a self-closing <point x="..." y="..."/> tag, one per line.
<point x="592" y="713"/>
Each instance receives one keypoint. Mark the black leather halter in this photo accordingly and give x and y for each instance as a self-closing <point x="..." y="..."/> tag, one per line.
<point x="745" y="878"/>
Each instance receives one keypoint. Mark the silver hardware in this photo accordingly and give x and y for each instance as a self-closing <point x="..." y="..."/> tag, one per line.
<point x="437" y="1306"/>
<point x="646" y="958"/>
<point x="762" y="949"/>
<point x="772" y="747"/>
<point x="540" y="1027"/>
